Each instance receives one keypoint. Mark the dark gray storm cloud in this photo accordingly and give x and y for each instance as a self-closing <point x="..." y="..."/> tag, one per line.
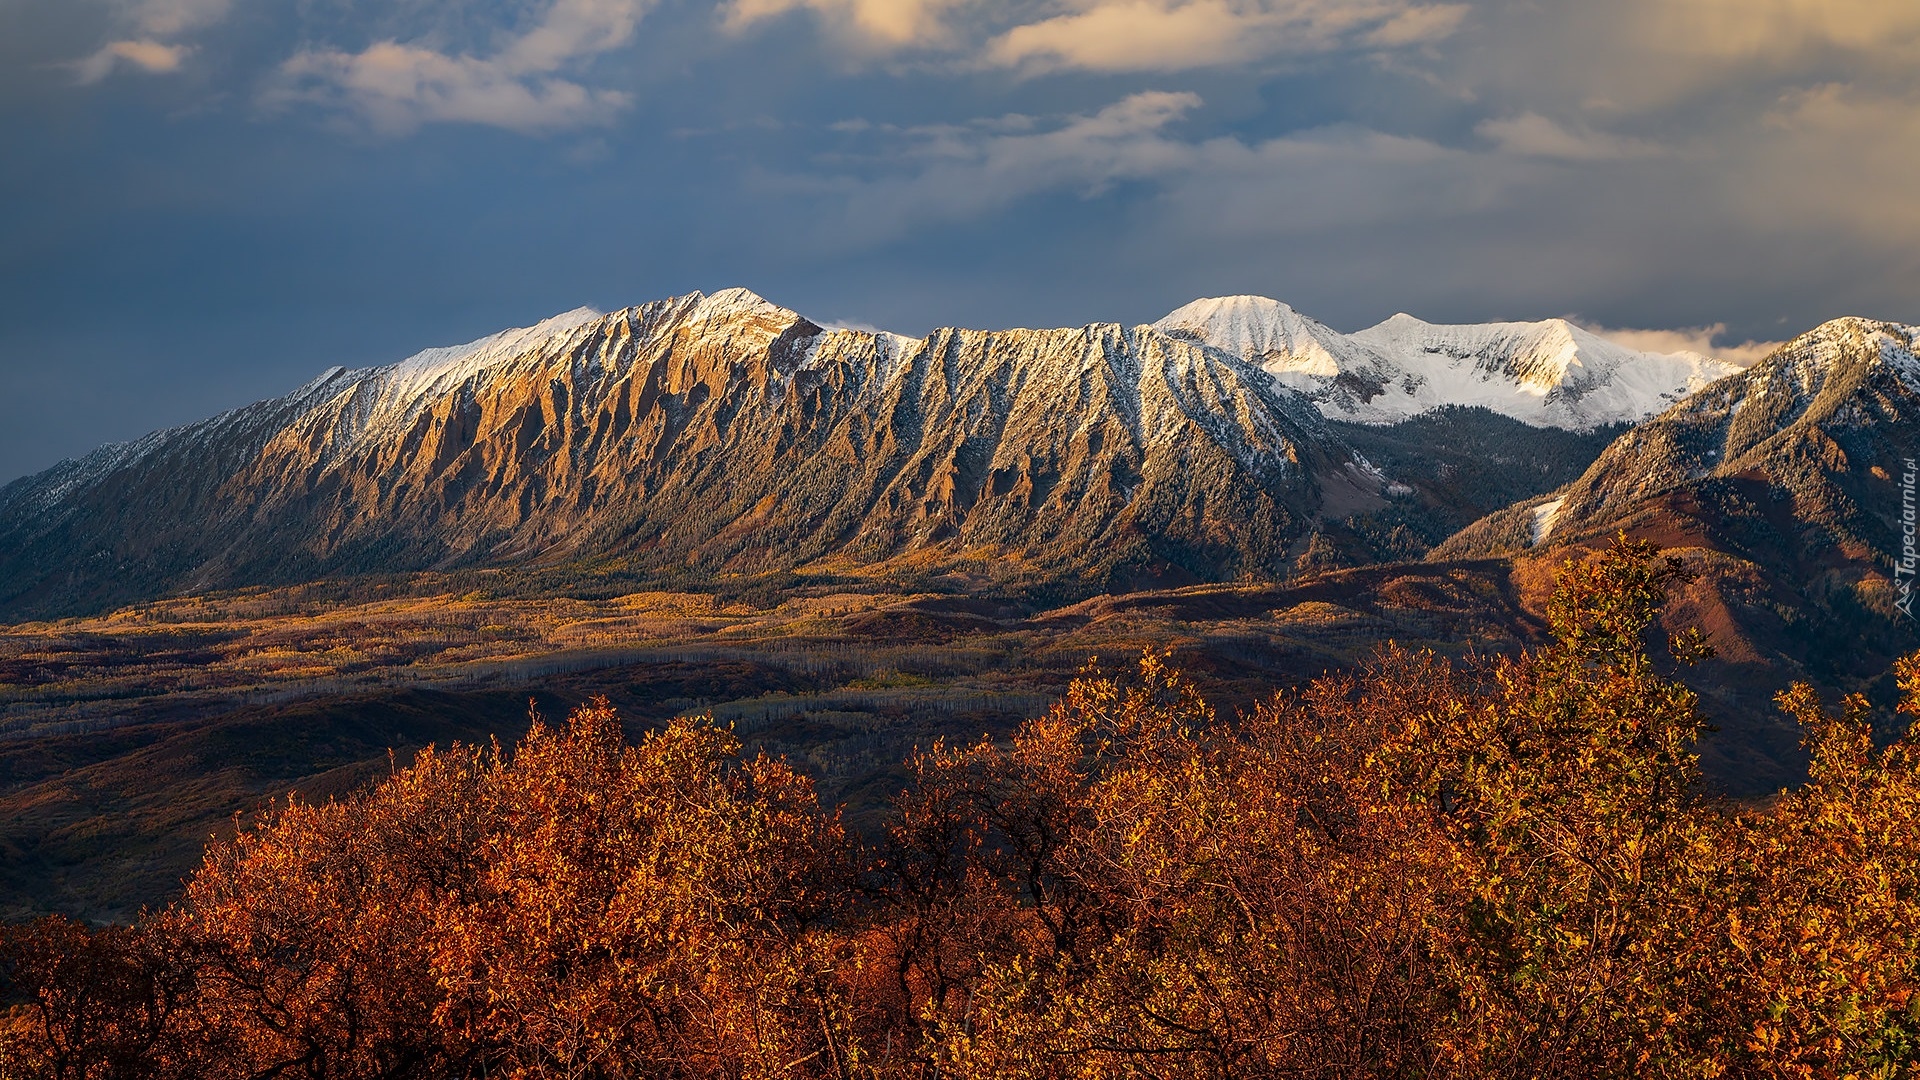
<point x="204" y="202"/>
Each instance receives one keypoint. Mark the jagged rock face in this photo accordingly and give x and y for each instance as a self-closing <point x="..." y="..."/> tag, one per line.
<point x="1800" y="452"/>
<point x="1546" y="374"/>
<point x="721" y="434"/>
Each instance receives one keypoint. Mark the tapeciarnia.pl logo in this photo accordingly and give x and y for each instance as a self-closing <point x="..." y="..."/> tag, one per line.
<point x="1904" y="567"/>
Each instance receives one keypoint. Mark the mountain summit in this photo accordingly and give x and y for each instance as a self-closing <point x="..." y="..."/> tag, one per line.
<point x="1545" y="374"/>
<point x="708" y="435"/>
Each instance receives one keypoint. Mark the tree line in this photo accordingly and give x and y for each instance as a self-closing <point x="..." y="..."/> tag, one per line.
<point x="1500" y="867"/>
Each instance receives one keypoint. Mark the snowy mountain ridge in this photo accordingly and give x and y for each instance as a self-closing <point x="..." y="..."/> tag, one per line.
<point x="1550" y="373"/>
<point x="1547" y="374"/>
<point x="711" y="435"/>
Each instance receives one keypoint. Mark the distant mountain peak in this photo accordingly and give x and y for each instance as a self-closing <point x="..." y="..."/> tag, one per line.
<point x="1549" y="373"/>
<point x="1296" y="349"/>
<point x="1258" y="314"/>
<point x="1839" y="343"/>
<point x="737" y="301"/>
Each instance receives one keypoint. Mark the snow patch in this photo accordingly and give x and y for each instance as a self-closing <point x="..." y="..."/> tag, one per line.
<point x="1899" y="356"/>
<point x="430" y="369"/>
<point x="1545" y="516"/>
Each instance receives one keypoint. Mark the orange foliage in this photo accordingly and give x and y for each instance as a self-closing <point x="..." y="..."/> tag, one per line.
<point x="1493" y="869"/>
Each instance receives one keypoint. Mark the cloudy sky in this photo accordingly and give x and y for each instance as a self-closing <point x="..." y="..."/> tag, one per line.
<point x="205" y="202"/>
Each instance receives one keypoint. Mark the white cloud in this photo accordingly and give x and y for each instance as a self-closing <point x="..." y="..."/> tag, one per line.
<point x="398" y="86"/>
<point x="153" y="57"/>
<point x="1775" y="29"/>
<point x="1533" y="135"/>
<point x="1836" y="155"/>
<point x="1334" y="199"/>
<point x="572" y="29"/>
<point x="1786" y="131"/>
<point x="1418" y="26"/>
<point x="1647" y="56"/>
<point x="1117" y="35"/>
<point x="870" y="24"/>
<point x="956" y="172"/>
<point x="1221" y="188"/>
<point x="857" y="325"/>
<point x="1693" y="339"/>
<point x="1137" y="35"/>
<point x="169" y="18"/>
<point x="149" y="51"/>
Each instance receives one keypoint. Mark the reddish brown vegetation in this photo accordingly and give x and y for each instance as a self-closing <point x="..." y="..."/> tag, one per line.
<point x="1425" y="869"/>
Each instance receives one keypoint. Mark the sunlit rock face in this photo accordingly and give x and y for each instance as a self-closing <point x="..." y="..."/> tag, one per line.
<point x="707" y="434"/>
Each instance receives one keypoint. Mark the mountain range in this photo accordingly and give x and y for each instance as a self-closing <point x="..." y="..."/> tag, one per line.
<point x="717" y="435"/>
<point x="705" y="435"/>
<point x="854" y="542"/>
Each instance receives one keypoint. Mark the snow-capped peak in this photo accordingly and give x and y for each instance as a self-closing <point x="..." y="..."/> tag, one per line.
<point x="1257" y="328"/>
<point x="1539" y="355"/>
<point x="734" y="303"/>
<point x="386" y="398"/>
<point x="1296" y="349"/>
<point x="1549" y="373"/>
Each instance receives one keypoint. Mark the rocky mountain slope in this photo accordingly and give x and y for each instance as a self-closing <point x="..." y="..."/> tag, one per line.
<point x="1545" y="374"/>
<point x="1786" y="485"/>
<point x="708" y="435"/>
<point x="1459" y="464"/>
<point x="1820" y="428"/>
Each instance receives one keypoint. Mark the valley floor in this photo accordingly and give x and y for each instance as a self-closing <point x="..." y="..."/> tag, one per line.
<point x="129" y="739"/>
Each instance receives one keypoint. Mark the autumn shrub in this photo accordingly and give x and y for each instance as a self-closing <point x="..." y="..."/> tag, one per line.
<point x="89" y="1004"/>
<point x="313" y="935"/>
<point x="1565" y="795"/>
<point x="1158" y="899"/>
<point x="1501" y="868"/>
<point x="653" y="910"/>
<point x="1495" y="867"/>
<point x="1820" y="898"/>
<point x="584" y="907"/>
